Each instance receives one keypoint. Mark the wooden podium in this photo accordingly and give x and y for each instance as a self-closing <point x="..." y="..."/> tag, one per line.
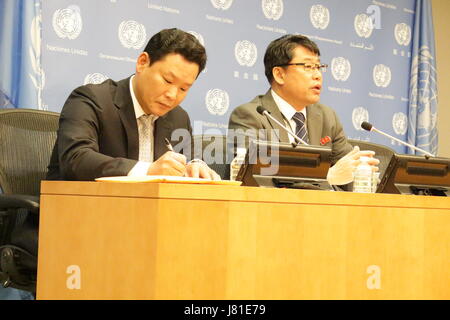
<point x="102" y="240"/>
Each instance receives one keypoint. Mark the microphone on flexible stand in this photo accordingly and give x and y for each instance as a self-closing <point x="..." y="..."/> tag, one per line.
<point x="261" y="110"/>
<point x="369" y="127"/>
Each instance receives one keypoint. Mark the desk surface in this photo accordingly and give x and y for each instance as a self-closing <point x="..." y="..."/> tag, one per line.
<point x="239" y="193"/>
<point x="181" y="241"/>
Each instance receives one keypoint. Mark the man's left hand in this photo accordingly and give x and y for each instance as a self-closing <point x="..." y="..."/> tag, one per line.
<point x="343" y="170"/>
<point x="201" y="170"/>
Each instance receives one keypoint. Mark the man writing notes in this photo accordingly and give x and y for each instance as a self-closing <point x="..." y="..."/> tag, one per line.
<point x="121" y="128"/>
<point x="294" y="71"/>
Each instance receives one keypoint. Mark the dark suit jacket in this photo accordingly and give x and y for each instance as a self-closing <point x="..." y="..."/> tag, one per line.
<point x="321" y="121"/>
<point x="98" y="134"/>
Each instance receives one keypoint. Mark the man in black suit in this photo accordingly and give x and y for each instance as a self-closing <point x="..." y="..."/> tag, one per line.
<point x="119" y="128"/>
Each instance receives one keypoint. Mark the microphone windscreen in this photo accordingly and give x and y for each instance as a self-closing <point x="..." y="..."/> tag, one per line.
<point x="366" y="126"/>
<point x="261" y="110"/>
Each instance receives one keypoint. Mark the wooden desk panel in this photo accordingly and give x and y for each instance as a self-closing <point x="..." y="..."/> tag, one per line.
<point x="176" y="241"/>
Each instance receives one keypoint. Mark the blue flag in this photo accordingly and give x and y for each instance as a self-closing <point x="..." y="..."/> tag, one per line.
<point x="422" y="131"/>
<point x="21" y="78"/>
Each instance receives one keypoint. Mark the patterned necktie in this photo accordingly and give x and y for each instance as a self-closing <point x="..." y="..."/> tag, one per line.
<point x="300" y="128"/>
<point x="145" y="135"/>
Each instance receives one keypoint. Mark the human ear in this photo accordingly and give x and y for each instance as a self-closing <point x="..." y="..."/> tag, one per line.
<point x="278" y="75"/>
<point x="142" y="62"/>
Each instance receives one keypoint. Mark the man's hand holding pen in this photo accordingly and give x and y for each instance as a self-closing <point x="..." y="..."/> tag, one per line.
<point x="174" y="164"/>
<point x="169" y="164"/>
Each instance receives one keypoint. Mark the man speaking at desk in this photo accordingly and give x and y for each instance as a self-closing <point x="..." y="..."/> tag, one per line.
<point x="294" y="71"/>
<point x="120" y="128"/>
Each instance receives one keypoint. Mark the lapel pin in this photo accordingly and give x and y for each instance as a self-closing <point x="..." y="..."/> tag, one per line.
<point x="325" y="140"/>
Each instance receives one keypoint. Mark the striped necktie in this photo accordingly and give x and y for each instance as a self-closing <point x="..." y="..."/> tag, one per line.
<point x="300" y="128"/>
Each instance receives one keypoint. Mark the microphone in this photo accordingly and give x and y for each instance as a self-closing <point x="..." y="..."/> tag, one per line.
<point x="263" y="111"/>
<point x="369" y="127"/>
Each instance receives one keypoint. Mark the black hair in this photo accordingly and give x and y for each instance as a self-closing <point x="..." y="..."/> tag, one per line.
<point x="280" y="51"/>
<point x="174" y="40"/>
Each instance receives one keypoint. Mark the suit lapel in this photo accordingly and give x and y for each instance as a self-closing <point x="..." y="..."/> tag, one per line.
<point x="269" y="104"/>
<point x="314" y="124"/>
<point x="124" y="104"/>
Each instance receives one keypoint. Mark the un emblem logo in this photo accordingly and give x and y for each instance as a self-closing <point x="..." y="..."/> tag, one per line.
<point x="341" y="68"/>
<point x="198" y="36"/>
<point x="423" y="97"/>
<point x="359" y="115"/>
<point x="217" y="101"/>
<point x="363" y="25"/>
<point x="132" y="34"/>
<point x="319" y="16"/>
<point x="272" y="9"/>
<point x="222" y="4"/>
<point x="245" y="53"/>
<point x="67" y="22"/>
<point x="382" y="75"/>
<point x="95" y="78"/>
<point x="402" y="34"/>
<point x="400" y="123"/>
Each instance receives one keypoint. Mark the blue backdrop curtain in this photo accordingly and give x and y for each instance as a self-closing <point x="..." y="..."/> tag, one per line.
<point x="423" y="103"/>
<point x="21" y="76"/>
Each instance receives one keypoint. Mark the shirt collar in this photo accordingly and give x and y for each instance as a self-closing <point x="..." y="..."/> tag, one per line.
<point x="137" y="107"/>
<point x="286" y="109"/>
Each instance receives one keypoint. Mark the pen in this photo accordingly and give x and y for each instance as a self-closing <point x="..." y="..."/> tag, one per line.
<point x="168" y="145"/>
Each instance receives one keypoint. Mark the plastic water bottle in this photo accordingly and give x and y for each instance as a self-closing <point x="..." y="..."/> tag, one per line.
<point x="363" y="177"/>
<point x="235" y="165"/>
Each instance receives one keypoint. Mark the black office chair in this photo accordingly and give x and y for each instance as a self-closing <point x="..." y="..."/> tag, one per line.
<point x="213" y="152"/>
<point x="382" y="153"/>
<point x="26" y="141"/>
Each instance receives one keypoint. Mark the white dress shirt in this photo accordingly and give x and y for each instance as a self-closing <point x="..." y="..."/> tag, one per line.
<point x="288" y="112"/>
<point x="141" y="168"/>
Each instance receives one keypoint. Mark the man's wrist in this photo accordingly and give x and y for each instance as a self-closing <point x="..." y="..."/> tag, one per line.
<point x="140" y="169"/>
